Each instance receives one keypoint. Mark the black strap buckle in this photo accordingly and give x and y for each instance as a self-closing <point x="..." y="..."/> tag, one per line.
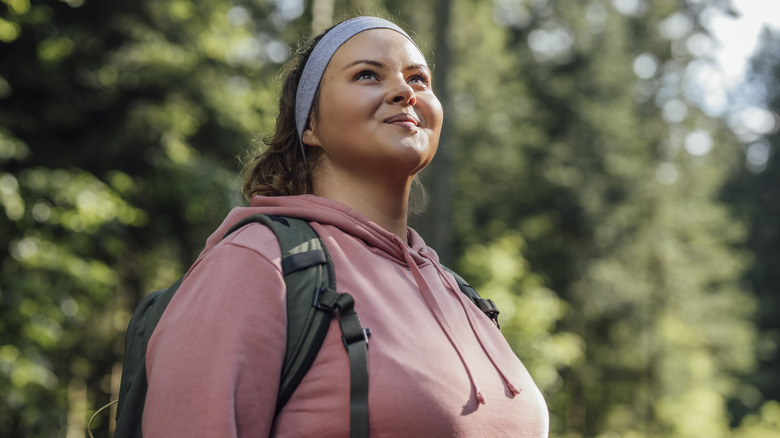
<point x="487" y="306"/>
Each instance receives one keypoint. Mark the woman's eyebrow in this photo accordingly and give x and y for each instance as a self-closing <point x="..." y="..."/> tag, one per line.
<point x="364" y="61"/>
<point x="381" y="65"/>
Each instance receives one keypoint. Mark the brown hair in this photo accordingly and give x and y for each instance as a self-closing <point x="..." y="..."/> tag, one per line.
<point x="281" y="169"/>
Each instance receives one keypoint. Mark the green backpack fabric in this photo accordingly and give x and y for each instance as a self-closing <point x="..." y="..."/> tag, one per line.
<point x="312" y="301"/>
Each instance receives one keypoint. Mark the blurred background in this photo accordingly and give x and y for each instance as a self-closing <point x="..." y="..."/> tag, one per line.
<point x="608" y="174"/>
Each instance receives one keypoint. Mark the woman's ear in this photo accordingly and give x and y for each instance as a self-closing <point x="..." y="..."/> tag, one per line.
<point x="310" y="138"/>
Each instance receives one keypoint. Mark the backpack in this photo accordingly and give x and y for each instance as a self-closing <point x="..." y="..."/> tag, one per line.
<point x="312" y="301"/>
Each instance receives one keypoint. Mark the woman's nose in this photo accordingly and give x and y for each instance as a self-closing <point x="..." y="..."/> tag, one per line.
<point x="403" y="93"/>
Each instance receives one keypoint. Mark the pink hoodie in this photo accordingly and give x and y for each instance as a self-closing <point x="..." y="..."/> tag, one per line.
<point x="438" y="367"/>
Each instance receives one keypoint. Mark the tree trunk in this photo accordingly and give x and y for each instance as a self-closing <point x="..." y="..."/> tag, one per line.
<point x="436" y="223"/>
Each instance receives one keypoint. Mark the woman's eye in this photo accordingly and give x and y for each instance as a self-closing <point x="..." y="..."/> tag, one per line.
<point x="420" y="79"/>
<point x="367" y="74"/>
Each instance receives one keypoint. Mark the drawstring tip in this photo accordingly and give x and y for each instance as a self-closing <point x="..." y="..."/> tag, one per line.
<point x="514" y="390"/>
<point x="480" y="398"/>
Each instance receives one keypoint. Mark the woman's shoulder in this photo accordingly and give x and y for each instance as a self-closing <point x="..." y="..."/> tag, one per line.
<point x="251" y="240"/>
<point x="233" y="268"/>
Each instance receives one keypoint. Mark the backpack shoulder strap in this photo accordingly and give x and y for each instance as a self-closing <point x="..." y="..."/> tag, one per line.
<point x="307" y="268"/>
<point x="486" y="305"/>
<point x="312" y="300"/>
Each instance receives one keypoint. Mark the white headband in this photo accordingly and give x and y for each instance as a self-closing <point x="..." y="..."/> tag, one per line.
<point x="320" y="57"/>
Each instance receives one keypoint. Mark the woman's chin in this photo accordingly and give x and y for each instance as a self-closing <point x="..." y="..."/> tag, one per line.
<point x="415" y="151"/>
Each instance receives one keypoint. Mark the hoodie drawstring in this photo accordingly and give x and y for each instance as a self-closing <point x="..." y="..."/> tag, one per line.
<point x="438" y="314"/>
<point x="468" y="309"/>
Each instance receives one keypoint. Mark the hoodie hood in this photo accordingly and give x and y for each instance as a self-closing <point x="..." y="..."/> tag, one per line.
<point x="326" y="211"/>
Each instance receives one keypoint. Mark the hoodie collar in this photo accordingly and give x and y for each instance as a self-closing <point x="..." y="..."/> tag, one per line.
<point x="329" y="212"/>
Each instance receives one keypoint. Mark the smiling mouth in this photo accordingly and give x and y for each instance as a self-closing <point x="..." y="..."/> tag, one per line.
<point x="403" y="120"/>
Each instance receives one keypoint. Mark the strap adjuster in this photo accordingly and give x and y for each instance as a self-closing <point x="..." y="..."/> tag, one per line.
<point x="366" y="333"/>
<point x="325" y="299"/>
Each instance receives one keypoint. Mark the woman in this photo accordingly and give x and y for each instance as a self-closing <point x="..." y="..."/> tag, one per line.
<point x="358" y="120"/>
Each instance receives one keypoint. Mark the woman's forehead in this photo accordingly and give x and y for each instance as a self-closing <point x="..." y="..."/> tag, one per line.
<point x="378" y="45"/>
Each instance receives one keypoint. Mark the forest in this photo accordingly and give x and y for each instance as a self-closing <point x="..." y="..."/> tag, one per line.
<point x="625" y="222"/>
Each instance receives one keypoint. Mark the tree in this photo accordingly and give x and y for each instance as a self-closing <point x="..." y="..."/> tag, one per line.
<point x="121" y="124"/>
<point x="754" y="195"/>
<point x="561" y="136"/>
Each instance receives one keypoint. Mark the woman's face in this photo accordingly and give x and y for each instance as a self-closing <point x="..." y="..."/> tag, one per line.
<point x="377" y="112"/>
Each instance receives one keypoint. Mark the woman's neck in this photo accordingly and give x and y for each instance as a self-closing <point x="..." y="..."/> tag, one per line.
<point x="381" y="201"/>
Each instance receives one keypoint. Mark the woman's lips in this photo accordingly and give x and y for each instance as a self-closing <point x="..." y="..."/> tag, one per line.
<point x="403" y="120"/>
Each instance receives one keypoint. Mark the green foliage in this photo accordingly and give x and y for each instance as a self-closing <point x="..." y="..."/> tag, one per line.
<point x="559" y="140"/>
<point x="764" y="424"/>
<point x="121" y="128"/>
<point x="754" y="195"/>
<point x="530" y="312"/>
<point x="57" y="291"/>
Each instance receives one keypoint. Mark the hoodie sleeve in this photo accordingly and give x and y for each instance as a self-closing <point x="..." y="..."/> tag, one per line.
<point x="214" y="360"/>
